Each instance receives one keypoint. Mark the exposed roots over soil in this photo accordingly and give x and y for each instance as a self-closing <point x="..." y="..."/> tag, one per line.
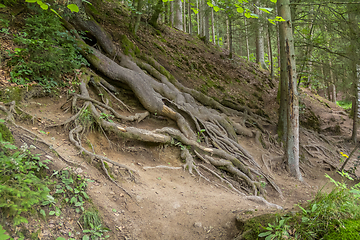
<point x="205" y="130"/>
<point x="206" y="134"/>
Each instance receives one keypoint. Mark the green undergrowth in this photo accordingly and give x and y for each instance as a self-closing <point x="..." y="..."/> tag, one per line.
<point x="45" y="52"/>
<point x="30" y="191"/>
<point x="334" y="215"/>
<point x="344" y="104"/>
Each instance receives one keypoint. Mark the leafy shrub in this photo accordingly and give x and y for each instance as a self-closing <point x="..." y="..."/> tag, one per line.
<point x="46" y="53"/>
<point x="21" y="185"/>
<point x="328" y="212"/>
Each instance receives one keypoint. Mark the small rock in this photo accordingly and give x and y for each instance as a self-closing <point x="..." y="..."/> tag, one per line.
<point x="112" y="193"/>
<point x="198" y="224"/>
<point x="79" y="170"/>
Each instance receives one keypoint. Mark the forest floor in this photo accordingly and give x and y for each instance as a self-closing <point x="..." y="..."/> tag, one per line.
<point x="171" y="203"/>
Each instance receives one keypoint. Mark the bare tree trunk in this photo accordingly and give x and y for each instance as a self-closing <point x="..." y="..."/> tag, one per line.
<point x="212" y="24"/>
<point x="230" y="39"/>
<point x="184" y="16"/>
<point x="270" y="52"/>
<point x="227" y="33"/>
<point x="246" y="40"/>
<point x="355" y="68"/>
<point x="198" y="17"/>
<point x="206" y="21"/>
<point x="189" y="17"/>
<point x="154" y="18"/>
<point x="292" y="148"/>
<point x="178" y="23"/>
<point x="260" y="52"/>
<point x="172" y="13"/>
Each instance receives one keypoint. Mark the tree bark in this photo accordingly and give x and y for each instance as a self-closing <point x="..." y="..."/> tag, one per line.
<point x="154" y="18"/>
<point x="354" y="68"/>
<point x="178" y="21"/>
<point x="246" y="40"/>
<point x="189" y="17"/>
<point x="212" y="24"/>
<point x="270" y="52"/>
<point x="292" y="148"/>
<point x="206" y="21"/>
<point x="260" y="52"/>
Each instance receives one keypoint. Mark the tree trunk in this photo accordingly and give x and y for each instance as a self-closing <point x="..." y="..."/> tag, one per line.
<point x="270" y="53"/>
<point x="260" y="52"/>
<point x="184" y="16"/>
<point x="227" y="33"/>
<point x="189" y="17"/>
<point x="212" y="24"/>
<point x="198" y="17"/>
<point x="230" y="39"/>
<point x="138" y="15"/>
<point x="246" y="40"/>
<point x="206" y="21"/>
<point x="354" y="68"/>
<point x="172" y="13"/>
<point x="178" y="23"/>
<point x="154" y="18"/>
<point x="292" y="148"/>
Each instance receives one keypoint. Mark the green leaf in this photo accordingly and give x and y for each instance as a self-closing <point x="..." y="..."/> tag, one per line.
<point x="274" y="1"/>
<point x="43" y="6"/>
<point x="114" y="210"/>
<point x="247" y="15"/>
<point x="270" y="237"/>
<point x="42" y="212"/>
<point x="196" y="11"/>
<point x="3" y="236"/>
<point x="31" y="1"/>
<point x="240" y="10"/>
<point x="279" y="19"/>
<point x="60" y="238"/>
<point x="73" y="7"/>
<point x="210" y="4"/>
<point x="1" y="120"/>
<point x="267" y="10"/>
<point x="272" y="21"/>
<point x="2" y="6"/>
<point x="264" y="234"/>
<point x="86" y="237"/>
<point x="86" y="2"/>
<point x="51" y="213"/>
<point x="55" y="13"/>
<point x="216" y="8"/>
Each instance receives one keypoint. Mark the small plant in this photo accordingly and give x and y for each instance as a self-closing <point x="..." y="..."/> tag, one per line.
<point x="3" y="236"/>
<point x="199" y="135"/>
<point x="106" y="117"/>
<point x="92" y="226"/>
<point x="279" y="230"/>
<point x="72" y="189"/>
<point x="45" y="51"/>
<point x="22" y="185"/>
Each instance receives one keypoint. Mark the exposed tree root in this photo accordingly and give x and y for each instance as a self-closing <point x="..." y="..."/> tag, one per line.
<point x="200" y="119"/>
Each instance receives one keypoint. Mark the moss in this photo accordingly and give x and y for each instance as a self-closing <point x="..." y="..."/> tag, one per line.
<point x="11" y="94"/>
<point x="6" y="134"/>
<point x="128" y="47"/>
<point x="350" y="231"/>
<point x="93" y="9"/>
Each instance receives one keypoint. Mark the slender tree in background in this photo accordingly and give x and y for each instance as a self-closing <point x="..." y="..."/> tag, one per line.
<point x="288" y="53"/>
<point x="354" y="67"/>
<point x="177" y="11"/>
<point x="260" y="52"/>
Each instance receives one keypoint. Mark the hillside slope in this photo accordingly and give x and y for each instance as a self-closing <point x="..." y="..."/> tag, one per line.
<point x="166" y="201"/>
